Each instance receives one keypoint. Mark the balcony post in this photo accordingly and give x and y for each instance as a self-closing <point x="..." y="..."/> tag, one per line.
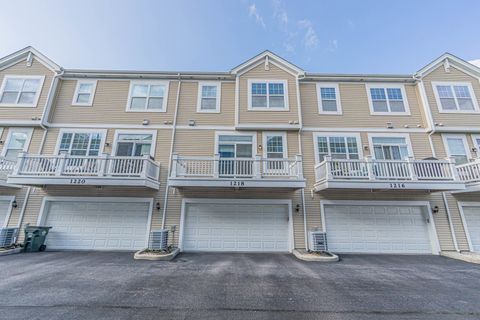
<point x="145" y="163"/>
<point x="173" y="173"/>
<point x="257" y="167"/>
<point x="411" y="167"/>
<point x="61" y="164"/>
<point x="103" y="164"/>
<point x="371" y="173"/>
<point x="328" y="167"/>
<point x="299" y="162"/>
<point x="216" y="165"/>
<point x="453" y="168"/>
<point x="19" y="164"/>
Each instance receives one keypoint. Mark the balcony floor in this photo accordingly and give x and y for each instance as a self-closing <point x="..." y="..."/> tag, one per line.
<point x="237" y="183"/>
<point x="390" y="185"/>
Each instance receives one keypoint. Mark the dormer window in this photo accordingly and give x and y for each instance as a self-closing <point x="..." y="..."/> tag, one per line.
<point x="21" y="91"/>
<point x="267" y="95"/>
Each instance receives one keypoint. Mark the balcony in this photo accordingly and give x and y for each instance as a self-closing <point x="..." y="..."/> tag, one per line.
<point x="236" y="172"/>
<point x="85" y="170"/>
<point x="6" y="168"/>
<point x="434" y="175"/>
<point x="470" y="174"/>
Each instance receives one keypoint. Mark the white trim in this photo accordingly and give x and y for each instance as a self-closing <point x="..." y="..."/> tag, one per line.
<point x="432" y="230"/>
<point x="23" y="77"/>
<point x="462" y="204"/>
<point x="92" y="93"/>
<point x="458" y="63"/>
<point x="22" y="54"/>
<point x="451" y="84"/>
<point x="426" y="106"/>
<point x="218" y="97"/>
<point x="27" y="131"/>
<point x="476" y="143"/>
<point x="44" y="208"/>
<point x="363" y="129"/>
<point x="236" y="133"/>
<point x="456" y="136"/>
<point x="165" y="83"/>
<point x="406" y="136"/>
<point x="272" y="58"/>
<point x="267" y="82"/>
<point x="385" y="86"/>
<point x="282" y="134"/>
<point x="338" y="100"/>
<point x="123" y="131"/>
<point x="1" y="132"/>
<point x="4" y="224"/>
<point x="355" y="135"/>
<point x="103" y="132"/>
<point x="186" y="201"/>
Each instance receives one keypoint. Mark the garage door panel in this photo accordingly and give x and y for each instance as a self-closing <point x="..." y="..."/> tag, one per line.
<point x="377" y="229"/>
<point x="235" y="227"/>
<point x="88" y="225"/>
<point x="472" y="220"/>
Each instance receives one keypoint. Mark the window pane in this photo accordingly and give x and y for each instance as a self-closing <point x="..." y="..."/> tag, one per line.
<point x="275" y="144"/>
<point x="17" y="140"/>
<point x="380" y="106"/>
<point x="277" y="102"/>
<point x="352" y="146"/>
<point x="460" y="159"/>
<point x="259" y="88"/>
<point x="244" y="150"/>
<point x="124" y="149"/>
<point x="259" y="102"/>
<point x="13" y="85"/>
<point x="462" y="91"/>
<point x="448" y="103"/>
<point x="138" y="103"/>
<point x="275" y="88"/>
<point x="65" y="142"/>
<point x="388" y="140"/>
<point x="328" y="93"/>
<point x="95" y="144"/>
<point x="26" y="98"/>
<point x="135" y="137"/>
<point x="397" y="106"/>
<point x="83" y="98"/>
<point x="85" y="88"/>
<point x="337" y="145"/>
<point x="209" y="91"/>
<point x="445" y="91"/>
<point x="456" y="146"/>
<point x="465" y="104"/>
<point x="142" y="149"/>
<point x="235" y="138"/>
<point x="80" y="141"/>
<point x="140" y="90"/>
<point x="31" y="85"/>
<point x="208" y="104"/>
<point x="157" y="91"/>
<point x="9" y="97"/>
<point x="378" y="94"/>
<point x="155" y="103"/>
<point x="329" y="105"/>
<point x="12" y="154"/>
<point x="394" y="94"/>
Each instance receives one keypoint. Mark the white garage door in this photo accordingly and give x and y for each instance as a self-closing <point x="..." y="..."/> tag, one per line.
<point x="472" y="220"/>
<point x="88" y="225"/>
<point x="4" y="209"/>
<point x="377" y="229"/>
<point x="236" y="227"/>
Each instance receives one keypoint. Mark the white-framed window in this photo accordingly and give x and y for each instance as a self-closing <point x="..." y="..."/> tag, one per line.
<point x="274" y="145"/>
<point x="80" y="142"/>
<point x="208" y="97"/>
<point x="390" y="146"/>
<point x="148" y="96"/>
<point x="134" y="143"/>
<point x="84" y="93"/>
<point x="387" y="99"/>
<point x="453" y="97"/>
<point x="328" y="98"/>
<point x="21" y="91"/>
<point x="337" y="145"/>
<point x="18" y="140"/>
<point x="267" y="95"/>
<point x="457" y="147"/>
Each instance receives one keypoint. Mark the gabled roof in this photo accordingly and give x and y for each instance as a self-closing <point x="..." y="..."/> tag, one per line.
<point x="448" y="58"/>
<point x="25" y="54"/>
<point x="270" y="57"/>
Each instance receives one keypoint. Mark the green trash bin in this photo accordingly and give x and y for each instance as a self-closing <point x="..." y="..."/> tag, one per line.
<point x="35" y="238"/>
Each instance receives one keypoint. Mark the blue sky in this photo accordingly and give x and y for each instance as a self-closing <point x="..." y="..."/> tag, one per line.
<point x="215" y="35"/>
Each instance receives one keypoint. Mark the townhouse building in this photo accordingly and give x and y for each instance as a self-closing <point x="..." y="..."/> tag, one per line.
<point x="248" y="160"/>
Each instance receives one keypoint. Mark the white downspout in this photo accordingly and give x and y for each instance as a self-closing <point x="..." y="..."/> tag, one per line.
<point x="300" y="150"/>
<point x="172" y="142"/>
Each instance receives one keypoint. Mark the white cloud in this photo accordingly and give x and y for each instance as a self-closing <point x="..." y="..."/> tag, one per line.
<point x="280" y="13"/>
<point x="333" y="45"/>
<point x="253" y="12"/>
<point x="475" y="62"/>
<point x="310" y="39"/>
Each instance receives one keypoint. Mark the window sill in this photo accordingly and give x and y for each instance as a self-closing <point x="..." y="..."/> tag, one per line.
<point x="461" y="112"/>
<point x="17" y="105"/>
<point x="146" y="111"/>
<point x="390" y="114"/>
<point x="268" y="109"/>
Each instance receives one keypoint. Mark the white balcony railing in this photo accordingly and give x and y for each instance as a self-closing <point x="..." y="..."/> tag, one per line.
<point x="69" y="166"/>
<point x="218" y="168"/>
<point x="6" y="168"/>
<point x="386" y="170"/>
<point x="469" y="172"/>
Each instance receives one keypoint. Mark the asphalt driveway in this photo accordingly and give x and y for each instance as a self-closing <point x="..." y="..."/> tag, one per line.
<point x="75" y="285"/>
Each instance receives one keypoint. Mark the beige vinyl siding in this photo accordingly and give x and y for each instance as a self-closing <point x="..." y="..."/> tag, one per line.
<point x="109" y="105"/>
<point x="267" y="117"/>
<point x="451" y="119"/>
<point x="355" y="109"/>
<point x="188" y="106"/>
<point x="26" y="113"/>
<point x="19" y="195"/>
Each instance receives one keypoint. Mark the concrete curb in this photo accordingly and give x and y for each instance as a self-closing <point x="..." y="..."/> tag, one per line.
<point x="165" y="257"/>
<point x="10" y="251"/>
<point x="467" y="256"/>
<point x="305" y="256"/>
